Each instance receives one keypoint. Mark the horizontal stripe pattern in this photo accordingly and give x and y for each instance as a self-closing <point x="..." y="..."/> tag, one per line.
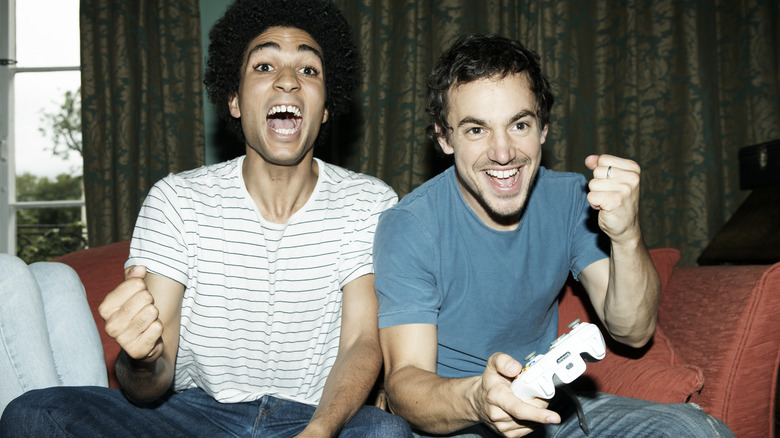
<point x="261" y="313"/>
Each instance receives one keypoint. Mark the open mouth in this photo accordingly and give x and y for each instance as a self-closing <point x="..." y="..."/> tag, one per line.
<point x="504" y="178"/>
<point x="284" y="119"/>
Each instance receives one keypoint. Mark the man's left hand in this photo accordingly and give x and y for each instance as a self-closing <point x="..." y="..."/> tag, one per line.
<point x="614" y="192"/>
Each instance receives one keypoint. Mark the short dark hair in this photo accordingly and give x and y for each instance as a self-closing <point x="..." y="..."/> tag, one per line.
<point x="476" y="56"/>
<point x="244" y="20"/>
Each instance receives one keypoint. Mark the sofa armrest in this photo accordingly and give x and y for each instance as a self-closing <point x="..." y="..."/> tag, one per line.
<point x="723" y="320"/>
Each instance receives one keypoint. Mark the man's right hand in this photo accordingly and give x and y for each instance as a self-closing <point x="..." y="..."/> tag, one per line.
<point x="132" y="319"/>
<point x="442" y="405"/>
<point x="499" y="408"/>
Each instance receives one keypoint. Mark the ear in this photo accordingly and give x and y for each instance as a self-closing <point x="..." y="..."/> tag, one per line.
<point x="325" y="115"/>
<point x="442" y="139"/>
<point x="543" y="134"/>
<point x="235" y="110"/>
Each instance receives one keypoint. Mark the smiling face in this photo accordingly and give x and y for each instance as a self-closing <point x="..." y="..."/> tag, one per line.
<point x="497" y="145"/>
<point x="281" y="97"/>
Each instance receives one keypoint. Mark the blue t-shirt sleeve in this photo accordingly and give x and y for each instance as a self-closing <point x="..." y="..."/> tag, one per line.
<point x="405" y="262"/>
<point x="588" y="243"/>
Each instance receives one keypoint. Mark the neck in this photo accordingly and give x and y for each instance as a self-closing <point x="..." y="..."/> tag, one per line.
<point x="279" y="191"/>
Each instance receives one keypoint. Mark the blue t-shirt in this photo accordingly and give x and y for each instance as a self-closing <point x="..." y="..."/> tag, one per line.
<point x="487" y="291"/>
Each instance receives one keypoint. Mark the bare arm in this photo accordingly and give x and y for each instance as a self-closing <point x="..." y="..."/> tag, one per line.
<point x="625" y="288"/>
<point x="143" y="315"/>
<point x="439" y="405"/>
<point x="357" y="366"/>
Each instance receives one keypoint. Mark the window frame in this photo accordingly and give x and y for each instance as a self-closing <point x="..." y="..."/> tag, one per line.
<point x="8" y="69"/>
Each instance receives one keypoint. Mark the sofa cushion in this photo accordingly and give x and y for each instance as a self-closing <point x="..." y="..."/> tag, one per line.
<point x="660" y="375"/>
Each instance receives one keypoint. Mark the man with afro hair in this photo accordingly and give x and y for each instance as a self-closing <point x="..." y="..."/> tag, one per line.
<point x="248" y="307"/>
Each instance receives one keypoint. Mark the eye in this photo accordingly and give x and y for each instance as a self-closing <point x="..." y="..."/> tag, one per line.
<point x="309" y="71"/>
<point x="521" y="126"/>
<point x="264" y="67"/>
<point x="475" y="130"/>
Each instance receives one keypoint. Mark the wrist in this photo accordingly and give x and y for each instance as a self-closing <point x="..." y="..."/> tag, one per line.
<point x="474" y="396"/>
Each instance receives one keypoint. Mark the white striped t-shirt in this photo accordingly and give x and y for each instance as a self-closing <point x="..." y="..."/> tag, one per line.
<point x="261" y="312"/>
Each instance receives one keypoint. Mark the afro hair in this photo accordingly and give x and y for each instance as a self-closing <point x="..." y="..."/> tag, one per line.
<point x="246" y="19"/>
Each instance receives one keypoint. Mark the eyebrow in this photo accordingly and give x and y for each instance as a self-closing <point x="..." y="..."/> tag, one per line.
<point x="476" y="121"/>
<point x="523" y="114"/>
<point x="273" y="45"/>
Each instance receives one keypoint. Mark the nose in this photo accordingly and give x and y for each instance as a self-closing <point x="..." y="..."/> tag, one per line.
<point x="287" y="80"/>
<point x="501" y="150"/>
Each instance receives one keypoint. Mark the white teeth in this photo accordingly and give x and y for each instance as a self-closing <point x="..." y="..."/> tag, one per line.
<point x="501" y="174"/>
<point x="285" y="109"/>
<point x="286" y="131"/>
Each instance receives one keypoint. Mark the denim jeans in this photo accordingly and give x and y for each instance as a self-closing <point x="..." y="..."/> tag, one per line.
<point x="48" y="336"/>
<point x="90" y="411"/>
<point x="612" y="416"/>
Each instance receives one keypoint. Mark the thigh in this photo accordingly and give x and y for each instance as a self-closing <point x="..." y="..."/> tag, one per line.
<point x="476" y="431"/>
<point x="610" y="415"/>
<point x="97" y="411"/>
<point x="278" y="418"/>
<point x="71" y="326"/>
<point x="372" y="422"/>
<point x="26" y="360"/>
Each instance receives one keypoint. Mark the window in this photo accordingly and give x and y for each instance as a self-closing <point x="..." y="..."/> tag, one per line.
<point x="41" y="189"/>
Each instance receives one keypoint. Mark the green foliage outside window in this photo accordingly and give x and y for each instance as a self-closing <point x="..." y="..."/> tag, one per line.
<point x="45" y="233"/>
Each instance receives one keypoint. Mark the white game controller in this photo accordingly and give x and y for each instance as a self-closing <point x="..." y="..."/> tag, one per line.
<point x="562" y="364"/>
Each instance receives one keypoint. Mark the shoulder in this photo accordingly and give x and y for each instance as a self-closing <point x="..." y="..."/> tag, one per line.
<point x="205" y="174"/>
<point x="422" y="210"/>
<point x="207" y="180"/>
<point x="430" y="195"/>
<point x="558" y="187"/>
<point x="556" y="179"/>
<point x="338" y="182"/>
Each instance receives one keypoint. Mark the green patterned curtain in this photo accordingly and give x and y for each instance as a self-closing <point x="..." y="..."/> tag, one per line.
<point x="679" y="86"/>
<point x="142" y="109"/>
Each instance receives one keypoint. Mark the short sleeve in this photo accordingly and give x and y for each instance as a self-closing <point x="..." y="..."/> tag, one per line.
<point x="358" y="250"/>
<point x="406" y="266"/>
<point x="588" y="242"/>
<point x="159" y="236"/>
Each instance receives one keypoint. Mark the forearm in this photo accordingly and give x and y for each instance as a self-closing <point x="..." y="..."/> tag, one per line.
<point x="430" y="402"/>
<point x="143" y="382"/>
<point x="634" y="288"/>
<point x="349" y="383"/>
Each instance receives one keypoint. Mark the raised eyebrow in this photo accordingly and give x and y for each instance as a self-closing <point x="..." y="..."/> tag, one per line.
<point x="273" y="45"/>
<point x="471" y="121"/>
<point x="308" y="48"/>
<point x="521" y="115"/>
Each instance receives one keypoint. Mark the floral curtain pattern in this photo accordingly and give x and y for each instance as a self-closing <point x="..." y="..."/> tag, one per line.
<point x="142" y="113"/>
<point x="677" y="85"/>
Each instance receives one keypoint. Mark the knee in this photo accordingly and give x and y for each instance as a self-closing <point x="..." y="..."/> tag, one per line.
<point x="32" y="413"/>
<point x="395" y="426"/>
<point x="697" y="422"/>
<point x="11" y="264"/>
<point x="377" y="423"/>
<point x="20" y="412"/>
<point x="16" y="276"/>
<point x="59" y="284"/>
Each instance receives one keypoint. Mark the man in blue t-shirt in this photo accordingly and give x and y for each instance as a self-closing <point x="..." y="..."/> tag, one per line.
<point x="470" y="264"/>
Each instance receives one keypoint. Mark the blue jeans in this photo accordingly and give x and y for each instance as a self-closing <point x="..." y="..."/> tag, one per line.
<point x="90" y="411"/>
<point x="48" y="336"/>
<point x="612" y="416"/>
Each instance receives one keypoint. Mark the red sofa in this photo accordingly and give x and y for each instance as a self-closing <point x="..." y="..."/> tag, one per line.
<point x="717" y="344"/>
